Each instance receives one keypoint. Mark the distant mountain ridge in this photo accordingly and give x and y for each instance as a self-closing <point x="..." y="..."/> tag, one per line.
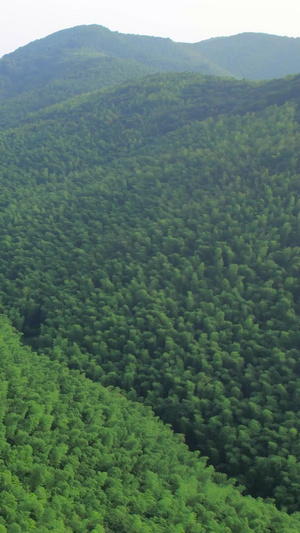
<point x="255" y="56"/>
<point x="87" y="58"/>
<point x="84" y="59"/>
<point x="69" y="53"/>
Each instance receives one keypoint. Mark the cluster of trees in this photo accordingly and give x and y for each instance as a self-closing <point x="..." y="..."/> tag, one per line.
<point x="159" y="254"/>
<point x="76" y="457"/>
<point x="150" y="240"/>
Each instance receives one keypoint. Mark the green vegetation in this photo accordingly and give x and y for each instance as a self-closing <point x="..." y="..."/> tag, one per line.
<point x="65" y="55"/>
<point x="76" y="457"/>
<point x="85" y="59"/>
<point x="88" y="58"/>
<point x="256" y="56"/>
<point x="150" y="254"/>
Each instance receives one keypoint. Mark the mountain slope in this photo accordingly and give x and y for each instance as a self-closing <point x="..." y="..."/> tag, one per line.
<point x="142" y="102"/>
<point x="88" y="58"/>
<point x="150" y="239"/>
<point x="76" y="457"/>
<point x="255" y="56"/>
<point x="84" y="54"/>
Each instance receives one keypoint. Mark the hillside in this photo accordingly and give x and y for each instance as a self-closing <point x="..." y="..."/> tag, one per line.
<point x="87" y="58"/>
<point x="150" y="239"/>
<point x="256" y="56"/>
<point x="76" y="457"/>
<point x="60" y="55"/>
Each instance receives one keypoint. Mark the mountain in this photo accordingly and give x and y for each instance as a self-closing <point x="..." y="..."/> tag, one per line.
<point x="256" y="56"/>
<point x="150" y="240"/>
<point x="76" y="457"/>
<point x="149" y="255"/>
<point x="86" y="58"/>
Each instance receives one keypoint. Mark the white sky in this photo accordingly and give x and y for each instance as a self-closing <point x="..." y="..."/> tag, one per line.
<point x="22" y="21"/>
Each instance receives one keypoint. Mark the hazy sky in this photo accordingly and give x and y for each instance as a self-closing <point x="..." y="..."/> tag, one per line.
<point x="22" y="21"/>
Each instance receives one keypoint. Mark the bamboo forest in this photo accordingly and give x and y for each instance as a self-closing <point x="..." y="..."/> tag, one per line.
<point x="149" y="295"/>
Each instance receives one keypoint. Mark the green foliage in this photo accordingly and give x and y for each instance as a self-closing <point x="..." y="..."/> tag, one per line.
<point x="76" y="458"/>
<point x="256" y="56"/>
<point x="150" y="239"/>
<point x="85" y="59"/>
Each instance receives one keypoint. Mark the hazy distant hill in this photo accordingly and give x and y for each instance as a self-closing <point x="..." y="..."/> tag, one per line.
<point x="84" y="59"/>
<point x="255" y="56"/>
<point x="87" y="58"/>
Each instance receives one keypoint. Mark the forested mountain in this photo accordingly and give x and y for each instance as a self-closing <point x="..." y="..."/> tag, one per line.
<point x="76" y="457"/>
<point x="67" y="53"/>
<point x="87" y="58"/>
<point x="150" y="254"/>
<point x="256" y="56"/>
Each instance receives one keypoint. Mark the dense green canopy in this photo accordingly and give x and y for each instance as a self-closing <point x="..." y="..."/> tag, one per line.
<point x="150" y="241"/>
<point x="76" y="457"/>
